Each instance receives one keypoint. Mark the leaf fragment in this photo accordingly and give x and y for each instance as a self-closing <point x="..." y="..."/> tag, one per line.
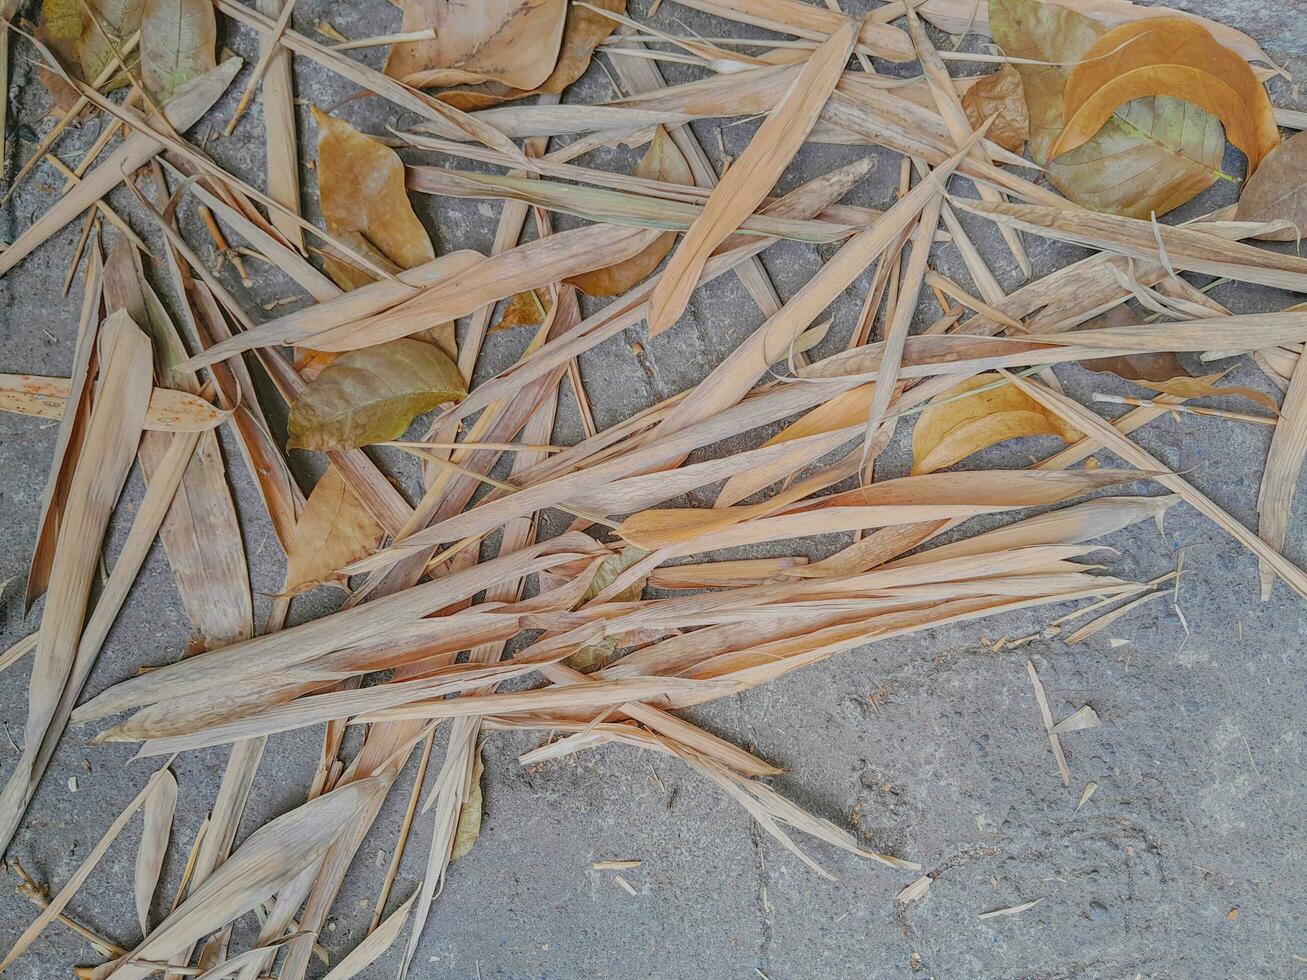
<point x="1278" y="190"/>
<point x="953" y="427"/>
<point x="469" y="815"/>
<point x="159" y="807"/>
<point x="372" y="394"/>
<point x="177" y="44"/>
<point x="333" y="530"/>
<point x="1000" y="95"/>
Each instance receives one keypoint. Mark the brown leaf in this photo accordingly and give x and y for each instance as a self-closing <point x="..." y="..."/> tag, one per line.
<point x="1153" y="154"/>
<point x="361" y="185"/>
<point x="1002" y="96"/>
<point x="1171" y="56"/>
<point x="1206" y="388"/>
<point x="372" y="394"/>
<point x="177" y="44"/>
<point x="662" y="161"/>
<point x="1278" y="190"/>
<point x="525" y="309"/>
<point x="950" y="432"/>
<point x="333" y="530"/>
<point x="515" y="42"/>
<point x="583" y="31"/>
<point x="1132" y="367"/>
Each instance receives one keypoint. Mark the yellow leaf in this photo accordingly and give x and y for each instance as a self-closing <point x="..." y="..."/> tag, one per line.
<point x="469" y="817"/>
<point x="1171" y="56"/>
<point x="333" y="530"/>
<point x="662" y="161"/>
<point x="951" y="431"/>
<point x="361" y="186"/>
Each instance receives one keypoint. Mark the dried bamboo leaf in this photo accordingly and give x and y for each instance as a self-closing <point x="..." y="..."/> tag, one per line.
<point x="948" y="433"/>
<point x="371" y="395"/>
<point x="177" y="44"/>
<point x="515" y="42"/>
<point x="159" y="807"/>
<point x="379" y="940"/>
<point x="333" y="530"/>
<point x="749" y="179"/>
<point x="169" y="410"/>
<point x="1167" y="56"/>
<point x="361" y="189"/>
<point x="1283" y="465"/>
<point x="279" y="136"/>
<point x="810" y="21"/>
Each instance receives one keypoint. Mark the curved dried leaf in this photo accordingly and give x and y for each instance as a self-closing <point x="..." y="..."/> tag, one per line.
<point x="950" y="432"/>
<point x="469" y="815"/>
<point x="583" y="31"/>
<point x="1002" y="96"/>
<point x="361" y="186"/>
<point x="159" y="807"/>
<point x="1206" y="388"/>
<point x="511" y="41"/>
<point x="177" y="44"/>
<point x="372" y="394"/>
<point x="1171" y="56"/>
<point x="662" y="161"/>
<point x="1151" y="155"/>
<point x="333" y="530"/>
<point x="1278" y="190"/>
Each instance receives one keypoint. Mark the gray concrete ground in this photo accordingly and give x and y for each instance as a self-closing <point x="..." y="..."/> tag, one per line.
<point x="1189" y="861"/>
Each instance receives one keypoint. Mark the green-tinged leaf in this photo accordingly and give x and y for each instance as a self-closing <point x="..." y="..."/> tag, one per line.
<point x="595" y="655"/>
<point x="1152" y="155"/>
<point x="177" y="44"/>
<point x="333" y="530"/>
<point x="361" y="186"/>
<point x="469" y="817"/>
<point x="372" y="394"/>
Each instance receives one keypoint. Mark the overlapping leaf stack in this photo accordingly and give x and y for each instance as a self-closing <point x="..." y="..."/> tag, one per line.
<point x="1126" y="111"/>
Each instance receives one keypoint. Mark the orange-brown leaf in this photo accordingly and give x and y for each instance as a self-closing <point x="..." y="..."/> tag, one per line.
<point x="1000" y="95"/>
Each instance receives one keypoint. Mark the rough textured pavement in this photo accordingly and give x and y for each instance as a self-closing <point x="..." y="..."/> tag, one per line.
<point x="1189" y="860"/>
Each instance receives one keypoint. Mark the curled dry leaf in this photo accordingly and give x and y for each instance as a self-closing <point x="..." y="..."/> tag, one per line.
<point x="333" y="530"/>
<point x="1207" y="388"/>
<point x="1151" y="155"/>
<point x="469" y="815"/>
<point x="662" y="161"/>
<point x="177" y="44"/>
<point x="515" y="42"/>
<point x="584" y="30"/>
<point x="372" y="394"/>
<point x="1002" y="96"/>
<point x="361" y="186"/>
<point x="951" y="431"/>
<point x="1167" y="56"/>
<point x="1278" y="190"/>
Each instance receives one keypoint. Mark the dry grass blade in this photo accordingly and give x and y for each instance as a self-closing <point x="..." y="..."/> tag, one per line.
<point x="751" y="176"/>
<point x="1042" y="699"/>
<point x="379" y="940"/>
<point x="1283" y="466"/>
<point x="279" y="137"/>
<point x="805" y="20"/>
<point x="159" y="807"/>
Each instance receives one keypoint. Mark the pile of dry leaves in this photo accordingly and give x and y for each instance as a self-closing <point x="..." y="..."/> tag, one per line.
<point x="1125" y="112"/>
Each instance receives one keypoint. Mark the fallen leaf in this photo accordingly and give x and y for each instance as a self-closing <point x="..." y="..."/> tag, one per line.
<point x="1000" y="95"/>
<point x="469" y="816"/>
<point x="525" y="309"/>
<point x="361" y="186"/>
<point x="1152" y="155"/>
<point x="1167" y="56"/>
<point x="1132" y="367"/>
<point x="662" y="161"/>
<point x="372" y="394"/>
<point x="118" y="19"/>
<point x="515" y="42"/>
<point x="951" y="431"/>
<point x="160" y="805"/>
<point x="333" y="530"/>
<point x="596" y="655"/>
<point x="1278" y="190"/>
<point x="583" y="31"/>
<point x="1205" y="388"/>
<point x="177" y="44"/>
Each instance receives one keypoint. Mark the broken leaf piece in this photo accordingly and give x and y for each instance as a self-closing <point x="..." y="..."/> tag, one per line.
<point x="596" y="655"/>
<point x="1278" y="190"/>
<point x="469" y="817"/>
<point x="1084" y="717"/>
<point x="361" y="185"/>
<point x="177" y="44"/>
<point x="1132" y="367"/>
<point x="333" y="530"/>
<point x="511" y="41"/>
<point x="372" y="394"/>
<point x="1152" y="154"/>
<point x="1167" y="56"/>
<point x="662" y="161"/>
<point x="528" y="308"/>
<point x="1000" y="95"/>
<point x="952" y="430"/>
